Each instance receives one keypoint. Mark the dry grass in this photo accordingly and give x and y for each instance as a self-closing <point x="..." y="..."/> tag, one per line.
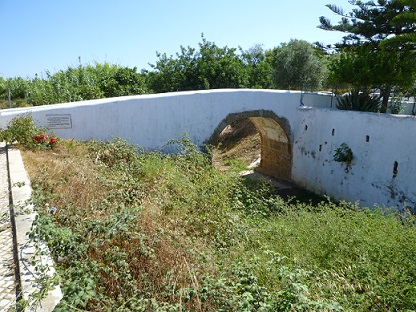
<point x="69" y="174"/>
<point x="15" y="103"/>
<point x="155" y="249"/>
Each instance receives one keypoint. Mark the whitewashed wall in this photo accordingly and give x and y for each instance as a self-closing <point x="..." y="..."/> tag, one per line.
<point x="376" y="140"/>
<point x="152" y="120"/>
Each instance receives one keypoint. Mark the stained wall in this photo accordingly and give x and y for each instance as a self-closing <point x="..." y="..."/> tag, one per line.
<point x="300" y="136"/>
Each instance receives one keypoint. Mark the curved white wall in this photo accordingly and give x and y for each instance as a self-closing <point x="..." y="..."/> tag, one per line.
<point x="152" y="120"/>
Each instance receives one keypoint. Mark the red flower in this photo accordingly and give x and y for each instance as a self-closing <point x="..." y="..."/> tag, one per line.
<point x="44" y="139"/>
<point x="40" y="138"/>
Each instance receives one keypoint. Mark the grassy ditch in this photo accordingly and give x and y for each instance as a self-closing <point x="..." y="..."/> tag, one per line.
<point x="132" y="230"/>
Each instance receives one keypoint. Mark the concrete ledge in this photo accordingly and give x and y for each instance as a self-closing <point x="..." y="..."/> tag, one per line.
<point x="24" y="217"/>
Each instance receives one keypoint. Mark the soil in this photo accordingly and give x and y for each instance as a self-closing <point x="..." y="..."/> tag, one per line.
<point x="241" y="141"/>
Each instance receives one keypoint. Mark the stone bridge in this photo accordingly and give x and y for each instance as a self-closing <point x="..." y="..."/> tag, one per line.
<point x="299" y="132"/>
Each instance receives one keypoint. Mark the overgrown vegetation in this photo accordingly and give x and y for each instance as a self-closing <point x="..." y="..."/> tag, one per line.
<point x="132" y="230"/>
<point x="296" y="65"/>
<point x="82" y="82"/>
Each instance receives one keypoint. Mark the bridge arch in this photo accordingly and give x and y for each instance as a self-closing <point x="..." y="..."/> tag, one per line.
<point x="276" y="146"/>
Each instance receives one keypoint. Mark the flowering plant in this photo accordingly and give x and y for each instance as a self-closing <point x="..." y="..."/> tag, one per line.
<point x="23" y="130"/>
<point x="45" y="140"/>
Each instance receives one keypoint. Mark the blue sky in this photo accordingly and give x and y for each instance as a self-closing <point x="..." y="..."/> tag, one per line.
<point x="40" y="35"/>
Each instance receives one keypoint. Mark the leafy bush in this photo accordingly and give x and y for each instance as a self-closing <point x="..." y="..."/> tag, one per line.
<point x="359" y="101"/>
<point x="24" y="131"/>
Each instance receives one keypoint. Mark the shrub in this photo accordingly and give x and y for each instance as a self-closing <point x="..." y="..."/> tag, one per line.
<point x="396" y="106"/>
<point x="24" y="131"/>
<point x="359" y="101"/>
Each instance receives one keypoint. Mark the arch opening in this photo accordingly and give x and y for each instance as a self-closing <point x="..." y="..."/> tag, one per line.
<point x="275" y="144"/>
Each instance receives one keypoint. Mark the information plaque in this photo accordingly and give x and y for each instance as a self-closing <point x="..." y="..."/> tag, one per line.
<point x="59" y="121"/>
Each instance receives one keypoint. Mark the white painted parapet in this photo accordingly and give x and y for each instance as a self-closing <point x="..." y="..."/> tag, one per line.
<point x="381" y="144"/>
<point x="378" y="141"/>
<point x="152" y="120"/>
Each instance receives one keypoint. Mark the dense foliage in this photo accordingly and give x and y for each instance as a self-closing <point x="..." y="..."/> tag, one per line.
<point x="84" y="82"/>
<point x="207" y="67"/>
<point x="132" y="230"/>
<point x="404" y="20"/>
<point x="366" y="61"/>
<point x="298" y="67"/>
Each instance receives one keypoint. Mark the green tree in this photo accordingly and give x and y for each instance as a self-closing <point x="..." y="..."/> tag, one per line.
<point x="404" y="20"/>
<point x="259" y="67"/>
<point x="368" y="22"/>
<point x="376" y="66"/>
<point x="124" y="81"/>
<point x="298" y="67"/>
<point x="211" y="67"/>
<point x="365" y="67"/>
<point x="220" y="67"/>
<point x="173" y="74"/>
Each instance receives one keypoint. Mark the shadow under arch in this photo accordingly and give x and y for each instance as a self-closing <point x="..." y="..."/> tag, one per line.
<point x="276" y="147"/>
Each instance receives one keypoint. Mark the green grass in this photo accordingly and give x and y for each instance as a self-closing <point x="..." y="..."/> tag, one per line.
<point x="361" y="258"/>
<point x="143" y="231"/>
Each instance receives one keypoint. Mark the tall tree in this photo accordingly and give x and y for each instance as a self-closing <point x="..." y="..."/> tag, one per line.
<point x="363" y="67"/>
<point x="367" y="26"/>
<point x="211" y="67"/>
<point x="220" y="67"/>
<point x="297" y="67"/>
<point x="404" y="20"/>
<point x="368" y="22"/>
<point x="259" y="67"/>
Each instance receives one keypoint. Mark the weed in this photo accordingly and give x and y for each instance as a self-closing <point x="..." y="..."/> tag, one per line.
<point x="236" y="164"/>
<point x="132" y="230"/>
<point x="344" y="154"/>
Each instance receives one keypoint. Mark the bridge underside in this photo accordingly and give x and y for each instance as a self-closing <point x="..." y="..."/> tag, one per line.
<point x="276" y="156"/>
<point x="276" y="149"/>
